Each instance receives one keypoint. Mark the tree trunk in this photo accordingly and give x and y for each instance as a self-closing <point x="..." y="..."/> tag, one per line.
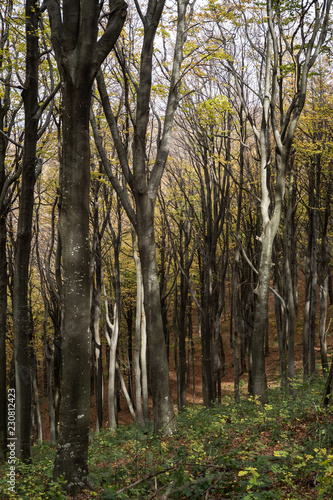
<point x="288" y="281"/>
<point x="312" y="249"/>
<point x="22" y="334"/>
<point x="306" y="316"/>
<point x="280" y="321"/>
<point x="322" y="324"/>
<point x="323" y="279"/>
<point x="74" y="32"/>
<point x="95" y="325"/>
<point x="138" y="325"/>
<point x="36" y="403"/>
<point x="206" y="337"/>
<point x="327" y="395"/>
<point x="164" y="416"/>
<point x="4" y="108"/>
<point x="261" y="313"/>
<point x="3" y="329"/>
<point x="72" y="451"/>
<point x="144" y="363"/>
<point x="182" y="330"/>
<point x="113" y="333"/>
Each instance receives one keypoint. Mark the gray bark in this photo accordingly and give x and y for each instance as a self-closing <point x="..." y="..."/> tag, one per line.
<point x="306" y="316"/>
<point x="145" y="191"/>
<point x="22" y="333"/>
<point x="283" y="130"/>
<point x="138" y="329"/>
<point x="79" y="54"/>
<point x="3" y="324"/>
<point x="4" y="108"/>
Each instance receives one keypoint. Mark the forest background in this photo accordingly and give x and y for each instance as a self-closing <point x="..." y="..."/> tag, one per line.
<point x="165" y="176"/>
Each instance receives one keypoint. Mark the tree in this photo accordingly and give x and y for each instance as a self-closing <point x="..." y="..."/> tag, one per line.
<point x="5" y="199"/>
<point x="314" y="155"/>
<point x="79" y="53"/>
<point x="301" y="49"/>
<point x="22" y="334"/>
<point x="144" y="186"/>
<point x="31" y="168"/>
<point x="207" y="124"/>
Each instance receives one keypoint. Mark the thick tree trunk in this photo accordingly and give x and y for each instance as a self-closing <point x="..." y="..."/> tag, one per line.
<point x="72" y="451"/>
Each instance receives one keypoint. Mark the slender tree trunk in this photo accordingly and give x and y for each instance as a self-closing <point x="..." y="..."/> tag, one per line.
<point x="112" y="386"/>
<point x="113" y="333"/>
<point x="36" y="403"/>
<point x="236" y="319"/>
<point x="327" y="395"/>
<point x="144" y="363"/>
<point x="22" y="338"/>
<point x="289" y="287"/>
<point x="129" y="351"/>
<point x="322" y="324"/>
<point x="46" y="348"/>
<point x="125" y="392"/>
<point x="323" y="279"/>
<point x="306" y="316"/>
<point x="312" y="249"/>
<point x="182" y="342"/>
<point x="138" y="323"/>
<point x="259" y="330"/>
<point x="280" y="321"/>
<point x="3" y="330"/>
<point x="95" y="325"/>
<point x="4" y="108"/>
<point x="164" y="416"/>
<point x="206" y="339"/>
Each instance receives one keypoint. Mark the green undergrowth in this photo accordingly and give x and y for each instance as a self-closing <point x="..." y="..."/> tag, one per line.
<point x="240" y="451"/>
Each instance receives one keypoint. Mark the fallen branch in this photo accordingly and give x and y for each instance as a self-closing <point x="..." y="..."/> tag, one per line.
<point x="142" y="480"/>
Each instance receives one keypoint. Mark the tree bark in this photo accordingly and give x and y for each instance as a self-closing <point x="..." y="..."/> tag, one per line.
<point x="138" y="326"/>
<point x="22" y="334"/>
<point x="4" y="108"/>
<point x="3" y="330"/>
<point x="72" y="451"/>
<point x="79" y="54"/>
<point x="164" y="416"/>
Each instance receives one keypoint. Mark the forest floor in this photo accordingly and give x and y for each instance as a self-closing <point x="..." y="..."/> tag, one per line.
<point x="238" y="451"/>
<point x="194" y="391"/>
